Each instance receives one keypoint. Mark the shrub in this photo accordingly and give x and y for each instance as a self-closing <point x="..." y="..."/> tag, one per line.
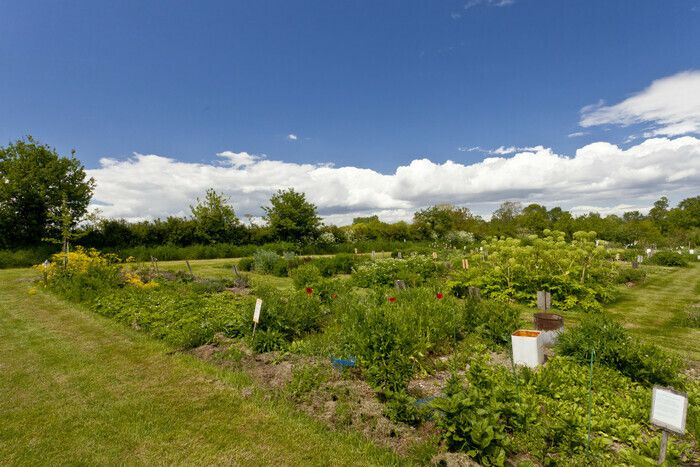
<point x="668" y="258"/>
<point x="81" y="275"/>
<point x="491" y="320"/>
<point x="266" y="261"/>
<point x="627" y="274"/>
<point x="305" y="276"/>
<point x="615" y="348"/>
<point x="246" y="264"/>
<point x="414" y="271"/>
<point x="291" y="313"/>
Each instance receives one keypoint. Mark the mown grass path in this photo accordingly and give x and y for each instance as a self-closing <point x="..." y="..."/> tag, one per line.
<point x="79" y="389"/>
<point x="654" y="309"/>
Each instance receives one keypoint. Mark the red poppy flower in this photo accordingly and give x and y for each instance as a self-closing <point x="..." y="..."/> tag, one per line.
<point x="334" y="296"/>
<point x="309" y="290"/>
<point x="391" y="299"/>
<point x="440" y="296"/>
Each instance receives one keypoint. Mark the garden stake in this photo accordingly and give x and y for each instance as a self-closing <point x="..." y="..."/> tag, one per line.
<point x="590" y="400"/>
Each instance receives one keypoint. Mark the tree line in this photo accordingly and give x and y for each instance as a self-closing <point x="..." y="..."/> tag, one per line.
<point x="44" y="197"/>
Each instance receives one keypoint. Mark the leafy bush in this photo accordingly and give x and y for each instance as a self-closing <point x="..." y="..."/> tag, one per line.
<point x="305" y="276"/>
<point x="614" y="347"/>
<point x="414" y="271"/>
<point x="291" y="313"/>
<point x="265" y="261"/>
<point x="578" y="274"/>
<point x="627" y="274"/>
<point x="81" y="275"/>
<point x="476" y="419"/>
<point x="268" y="340"/>
<point x="246" y="264"/>
<point x="401" y="408"/>
<point x="668" y="258"/>
<point x="339" y="264"/>
<point x="491" y="320"/>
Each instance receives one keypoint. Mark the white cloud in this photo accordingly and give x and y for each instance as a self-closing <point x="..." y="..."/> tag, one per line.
<point x="496" y="3"/>
<point x="599" y="174"/>
<point x="576" y="134"/>
<point x="670" y="104"/>
<point x="501" y="150"/>
<point x="292" y="137"/>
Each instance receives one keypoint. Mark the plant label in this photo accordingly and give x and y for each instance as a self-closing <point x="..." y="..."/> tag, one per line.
<point x="256" y="313"/>
<point x="372" y="254"/>
<point x="692" y="252"/>
<point x="544" y="300"/>
<point x="465" y="263"/>
<point x="635" y="264"/>
<point x="434" y="255"/>
<point x="400" y="285"/>
<point x="398" y="255"/>
<point x="669" y="409"/>
<point x="355" y="250"/>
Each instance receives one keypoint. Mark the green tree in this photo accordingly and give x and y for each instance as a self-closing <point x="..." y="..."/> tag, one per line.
<point x="215" y="220"/>
<point x="437" y="221"/>
<point x="34" y="182"/>
<point x="535" y="219"/>
<point x="291" y="217"/>
<point x="504" y="219"/>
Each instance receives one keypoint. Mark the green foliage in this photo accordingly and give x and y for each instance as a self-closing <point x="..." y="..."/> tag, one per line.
<point x="628" y="274"/>
<point x="291" y="217"/>
<point x="414" y="271"/>
<point x="305" y="276"/>
<point x="268" y="340"/>
<point x="215" y="220"/>
<point x="265" y="261"/>
<point x="668" y="258"/>
<point x="291" y="313"/>
<point x="491" y="320"/>
<point x="578" y="274"/>
<point x="25" y="257"/>
<point x="305" y="379"/>
<point x="477" y="418"/>
<point x="614" y="347"/>
<point x="176" y="313"/>
<point x="34" y="181"/>
<point x="246" y="264"/>
<point x="400" y="407"/>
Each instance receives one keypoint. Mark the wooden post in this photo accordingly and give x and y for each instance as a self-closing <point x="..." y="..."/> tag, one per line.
<point x="662" y="448"/>
<point x="189" y="267"/>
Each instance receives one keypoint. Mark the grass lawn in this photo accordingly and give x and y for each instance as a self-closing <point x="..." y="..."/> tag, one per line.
<point x="654" y="310"/>
<point x="80" y="389"/>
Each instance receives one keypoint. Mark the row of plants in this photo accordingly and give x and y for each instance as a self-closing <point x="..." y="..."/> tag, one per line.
<point x="490" y="412"/>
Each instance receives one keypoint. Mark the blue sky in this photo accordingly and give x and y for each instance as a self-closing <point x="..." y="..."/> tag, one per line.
<point x="367" y="84"/>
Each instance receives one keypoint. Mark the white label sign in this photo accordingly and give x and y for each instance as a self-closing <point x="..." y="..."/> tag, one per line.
<point x="668" y="409"/>
<point x="256" y="314"/>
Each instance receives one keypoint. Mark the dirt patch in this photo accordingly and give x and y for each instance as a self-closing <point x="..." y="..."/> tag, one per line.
<point x="204" y="352"/>
<point x="454" y="459"/>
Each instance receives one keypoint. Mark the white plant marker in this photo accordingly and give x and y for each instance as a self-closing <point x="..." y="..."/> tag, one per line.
<point x="668" y="411"/>
<point x="256" y="314"/>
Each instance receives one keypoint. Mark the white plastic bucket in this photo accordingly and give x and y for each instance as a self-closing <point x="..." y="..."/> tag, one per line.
<point x="528" y="348"/>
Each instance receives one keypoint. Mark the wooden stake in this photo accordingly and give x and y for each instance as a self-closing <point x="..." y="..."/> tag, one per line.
<point x="662" y="448"/>
<point x="189" y="267"/>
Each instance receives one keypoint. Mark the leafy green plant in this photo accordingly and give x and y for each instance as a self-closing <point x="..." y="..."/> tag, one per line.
<point x="614" y="347"/>
<point x="668" y="258"/>
<point x="493" y="321"/>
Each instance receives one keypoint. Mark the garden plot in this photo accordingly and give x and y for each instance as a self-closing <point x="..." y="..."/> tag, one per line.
<point x="421" y="355"/>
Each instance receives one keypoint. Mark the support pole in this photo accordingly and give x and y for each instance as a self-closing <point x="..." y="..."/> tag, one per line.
<point x="662" y="448"/>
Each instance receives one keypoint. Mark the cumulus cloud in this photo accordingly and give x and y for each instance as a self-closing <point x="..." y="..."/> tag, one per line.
<point x="599" y="174"/>
<point x="292" y="137"/>
<point x="671" y="105"/>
